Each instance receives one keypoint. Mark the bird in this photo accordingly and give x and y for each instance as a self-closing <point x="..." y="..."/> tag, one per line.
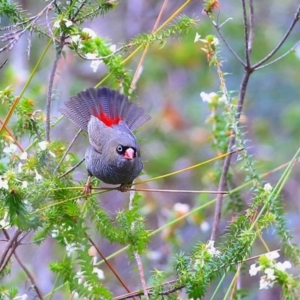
<point x="109" y="119"/>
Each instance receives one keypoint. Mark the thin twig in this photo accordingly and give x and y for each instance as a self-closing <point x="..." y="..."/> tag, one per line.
<point x="251" y="27"/>
<point x="218" y="29"/>
<point x="294" y="22"/>
<point x="29" y="275"/>
<point x="136" y="254"/>
<point x="3" y="63"/>
<point x="246" y="36"/>
<point x="8" y="250"/>
<point x="12" y="136"/>
<point x="109" y="265"/>
<point x="279" y="58"/>
<point x="73" y="168"/>
<point x="50" y="86"/>
<point x="160" y="190"/>
<point x="67" y="150"/>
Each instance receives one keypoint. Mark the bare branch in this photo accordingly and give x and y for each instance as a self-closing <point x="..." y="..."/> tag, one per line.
<point x="246" y="36"/>
<point x="73" y="168"/>
<point x="9" y="248"/>
<point x="218" y="29"/>
<point x="68" y="149"/>
<point x="279" y="58"/>
<point x="109" y="265"/>
<point x="29" y="275"/>
<point x="294" y="22"/>
<point x="251" y="26"/>
<point x="50" y="86"/>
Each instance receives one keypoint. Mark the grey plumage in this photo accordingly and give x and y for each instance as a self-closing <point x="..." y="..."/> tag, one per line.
<point x="109" y="118"/>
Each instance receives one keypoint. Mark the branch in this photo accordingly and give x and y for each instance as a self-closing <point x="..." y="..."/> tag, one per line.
<point x="294" y="22"/>
<point x="279" y="58"/>
<point x="218" y="29"/>
<point x="69" y="171"/>
<point x="68" y="149"/>
<point x="246" y="36"/>
<point x="50" y="86"/>
<point x="29" y="275"/>
<point x="109" y="265"/>
<point x="251" y="26"/>
<point x="9" y="249"/>
<point x="226" y="164"/>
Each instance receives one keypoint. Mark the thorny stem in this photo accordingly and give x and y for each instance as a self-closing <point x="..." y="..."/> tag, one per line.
<point x="50" y="86"/>
<point x="249" y="69"/>
<point x="226" y="164"/>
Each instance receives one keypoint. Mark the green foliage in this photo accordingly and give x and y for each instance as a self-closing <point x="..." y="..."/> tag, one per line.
<point x="37" y="198"/>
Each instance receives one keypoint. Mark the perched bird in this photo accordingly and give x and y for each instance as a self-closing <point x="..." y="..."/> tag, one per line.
<point x="109" y="118"/>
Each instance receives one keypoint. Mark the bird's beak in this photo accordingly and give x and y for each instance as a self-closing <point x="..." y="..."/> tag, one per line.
<point x="129" y="154"/>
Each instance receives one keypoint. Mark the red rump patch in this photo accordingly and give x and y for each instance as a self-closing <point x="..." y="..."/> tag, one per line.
<point x="107" y="120"/>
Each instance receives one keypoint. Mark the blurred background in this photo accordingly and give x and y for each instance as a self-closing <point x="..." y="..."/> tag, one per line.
<point x="178" y="135"/>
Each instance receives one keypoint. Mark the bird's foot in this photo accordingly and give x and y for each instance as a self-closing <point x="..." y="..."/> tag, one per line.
<point x="124" y="187"/>
<point x="88" y="187"/>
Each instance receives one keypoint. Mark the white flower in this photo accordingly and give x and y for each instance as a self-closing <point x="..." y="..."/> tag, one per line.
<point x="75" y="38"/>
<point x="38" y="176"/>
<point x="223" y="99"/>
<point x="20" y="167"/>
<point x="11" y="148"/>
<point x="211" y="249"/>
<point x="270" y="274"/>
<point x="95" y="64"/>
<point x="80" y="276"/>
<point x="99" y="273"/>
<point x="24" y="155"/>
<point x="56" y="24"/>
<point x="3" y="183"/>
<point x="68" y="23"/>
<point x="272" y="255"/>
<point x="112" y="48"/>
<point x="208" y="97"/>
<point x="43" y="145"/>
<point x="283" y="266"/>
<point x="4" y="223"/>
<point x="215" y="41"/>
<point x="91" y="56"/>
<point x="197" y="37"/>
<point x="91" y="33"/>
<point x="254" y="269"/>
<point x="264" y="283"/>
<point x="268" y="187"/>
<point x="24" y="184"/>
<point x="55" y="233"/>
<point x="70" y="248"/>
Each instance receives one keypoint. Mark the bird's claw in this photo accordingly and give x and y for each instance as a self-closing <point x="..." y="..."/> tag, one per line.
<point x="87" y="189"/>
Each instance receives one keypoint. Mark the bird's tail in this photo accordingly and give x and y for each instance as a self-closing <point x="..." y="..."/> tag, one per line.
<point x="109" y="106"/>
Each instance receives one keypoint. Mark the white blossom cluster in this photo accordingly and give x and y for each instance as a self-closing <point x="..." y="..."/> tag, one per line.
<point x="271" y="272"/>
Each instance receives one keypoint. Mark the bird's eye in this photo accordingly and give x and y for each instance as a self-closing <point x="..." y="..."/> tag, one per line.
<point x="120" y="149"/>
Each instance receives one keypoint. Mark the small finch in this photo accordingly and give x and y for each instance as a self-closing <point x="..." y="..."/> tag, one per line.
<point x="109" y="118"/>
